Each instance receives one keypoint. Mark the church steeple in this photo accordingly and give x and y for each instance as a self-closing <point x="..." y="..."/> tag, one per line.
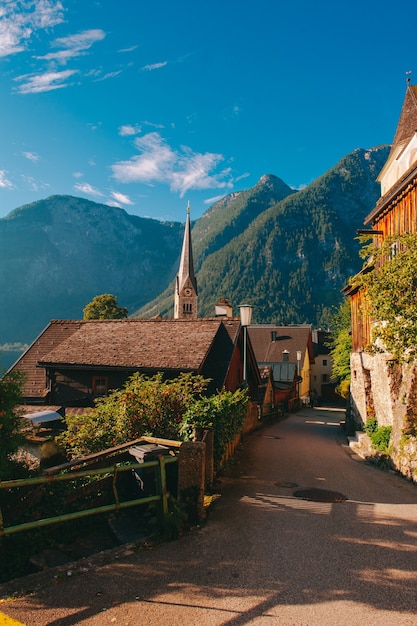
<point x="186" y="294"/>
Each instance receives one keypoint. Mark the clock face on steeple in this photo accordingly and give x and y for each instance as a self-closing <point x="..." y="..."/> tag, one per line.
<point x="188" y="291"/>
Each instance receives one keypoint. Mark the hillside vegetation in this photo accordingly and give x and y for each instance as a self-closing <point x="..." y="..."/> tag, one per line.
<point x="287" y="252"/>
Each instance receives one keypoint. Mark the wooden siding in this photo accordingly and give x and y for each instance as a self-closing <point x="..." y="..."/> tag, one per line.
<point x="396" y="214"/>
<point x="361" y="322"/>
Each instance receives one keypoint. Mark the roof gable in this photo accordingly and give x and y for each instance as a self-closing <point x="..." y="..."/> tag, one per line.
<point x="407" y="124"/>
<point x="35" y="380"/>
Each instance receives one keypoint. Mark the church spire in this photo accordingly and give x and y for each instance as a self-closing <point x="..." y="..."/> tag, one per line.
<point x="186" y="295"/>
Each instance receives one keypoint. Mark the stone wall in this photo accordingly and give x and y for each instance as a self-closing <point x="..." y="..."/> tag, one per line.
<point x="387" y="391"/>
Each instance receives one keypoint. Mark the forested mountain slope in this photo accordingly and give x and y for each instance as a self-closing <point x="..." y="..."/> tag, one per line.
<point x="58" y="253"/>
<point x="294" y="257"/>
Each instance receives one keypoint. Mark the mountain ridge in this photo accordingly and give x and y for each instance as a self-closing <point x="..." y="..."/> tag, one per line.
<point x="287" y="251"/>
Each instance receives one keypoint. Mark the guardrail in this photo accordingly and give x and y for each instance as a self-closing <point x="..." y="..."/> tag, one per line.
<point x="161" y="496"/>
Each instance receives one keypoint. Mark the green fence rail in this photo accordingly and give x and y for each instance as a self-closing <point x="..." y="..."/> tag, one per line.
<point x="161" y="496"/>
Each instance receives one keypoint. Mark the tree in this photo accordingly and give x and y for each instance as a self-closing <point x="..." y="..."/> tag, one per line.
<point x="10" y="436"/>
<point x="390" y="290"/>
<point x="104" y="307"/>
<point x="341" y="348"/>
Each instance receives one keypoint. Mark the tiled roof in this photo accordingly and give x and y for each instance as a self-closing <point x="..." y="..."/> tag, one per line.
<point x="53" y="335"/>
<point x="269" y="342"/>
<point x="155" y="344"/>
<point x="137" y="343"/>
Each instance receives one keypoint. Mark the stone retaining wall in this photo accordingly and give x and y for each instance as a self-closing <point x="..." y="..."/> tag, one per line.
<point x="387" y="391"/>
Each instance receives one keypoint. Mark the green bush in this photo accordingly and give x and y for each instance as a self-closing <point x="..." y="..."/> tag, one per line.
<point x="371" y="426"/>
<point x="224" y="412"/>
<point x="380" y="438"/>
<point x="379" y="435"/>
<point x="144" y="406"/>
<point x="10" y="435"/>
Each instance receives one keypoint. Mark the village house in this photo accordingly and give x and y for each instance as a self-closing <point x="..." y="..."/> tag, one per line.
<point x="323" y="383"/>
<point x="380" y="388"/>
<point x="288" y="352"/>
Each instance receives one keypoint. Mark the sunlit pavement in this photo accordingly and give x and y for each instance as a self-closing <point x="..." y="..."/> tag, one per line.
<point x="265" y="555"/>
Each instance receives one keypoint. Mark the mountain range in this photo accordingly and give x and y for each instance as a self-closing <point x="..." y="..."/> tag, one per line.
<point x="287" y="252"/>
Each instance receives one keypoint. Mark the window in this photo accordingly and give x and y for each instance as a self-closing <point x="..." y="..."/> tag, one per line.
<point x="100" y="385"/>
<point x="324" y="378"/>
<point x="285" y="355"/>
<point x="394" y="249"/>
<point x="324" y="362"/>
<point x="187" y="308"/>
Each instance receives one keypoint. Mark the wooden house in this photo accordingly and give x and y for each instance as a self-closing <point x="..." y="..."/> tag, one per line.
<point x="72" y="362"/>
<point x="380" y="390"/>
<point x="395" y="213"/>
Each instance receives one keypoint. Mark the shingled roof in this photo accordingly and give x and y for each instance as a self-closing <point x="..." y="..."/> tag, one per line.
<point x="136" y="343"/>
<point x="56" y="332"/>
<point x="270" y="341"/>
<point x="407" y="124"/>
<point x="131" y="344"/>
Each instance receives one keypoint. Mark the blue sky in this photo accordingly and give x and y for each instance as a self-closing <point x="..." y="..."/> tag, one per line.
<point x="151" y="105"/>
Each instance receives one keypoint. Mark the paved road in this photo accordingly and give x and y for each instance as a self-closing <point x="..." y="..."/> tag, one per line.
<point x="265" y="557"/>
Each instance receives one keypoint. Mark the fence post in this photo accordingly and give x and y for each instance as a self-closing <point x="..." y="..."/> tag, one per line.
<point x="161" y="481"/>
<point x="191" y="479"/>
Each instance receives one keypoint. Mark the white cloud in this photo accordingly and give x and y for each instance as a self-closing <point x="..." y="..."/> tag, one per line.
<point x="31" y="156"/>
<point x="128" y="49"/>
<point x="5" y="183"/>
<point x="35" y="185"/>
<point x="128" y="130"/>
<point x="181" y="169"/>
<point x="36" y="83"/>
<point x="19" y="19"/>
<point x="78" y="174"/>
<point x="88" y="189"/>
<point x="121" y="197"/>
<point x="154" y="66"/>
<point x="73" y="45"/>
<point x="109" y="75"/>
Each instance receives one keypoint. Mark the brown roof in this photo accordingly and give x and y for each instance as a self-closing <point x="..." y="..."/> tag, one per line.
<point x="407" y="124"/>
<point x="53" y="335"/>
<point x="137" y="343"/>
<point x="154" y="344"/>
<point x="269" y="342"/>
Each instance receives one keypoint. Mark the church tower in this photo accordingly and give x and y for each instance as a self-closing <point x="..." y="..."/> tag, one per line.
<point x="186" y="295"/>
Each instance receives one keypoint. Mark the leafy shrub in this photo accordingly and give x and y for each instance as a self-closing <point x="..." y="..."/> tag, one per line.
<point x="144" y="406"/>
<point x="389" y="289"/>
<point x="224" y="412"/>
<point x="371" y="426"/>
<point x="380" y="438"/>
<point x="10" y="436"/>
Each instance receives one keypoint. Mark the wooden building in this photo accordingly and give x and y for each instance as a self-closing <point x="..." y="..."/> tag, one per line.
<point x="395" y="213"/>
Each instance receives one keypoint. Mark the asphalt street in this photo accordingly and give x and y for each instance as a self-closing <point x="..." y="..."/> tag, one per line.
<point x="265" y="556"/>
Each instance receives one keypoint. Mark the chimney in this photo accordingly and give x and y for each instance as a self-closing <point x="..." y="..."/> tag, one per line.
<point x="223" y="308"/>
<point x="273" y="335"/>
